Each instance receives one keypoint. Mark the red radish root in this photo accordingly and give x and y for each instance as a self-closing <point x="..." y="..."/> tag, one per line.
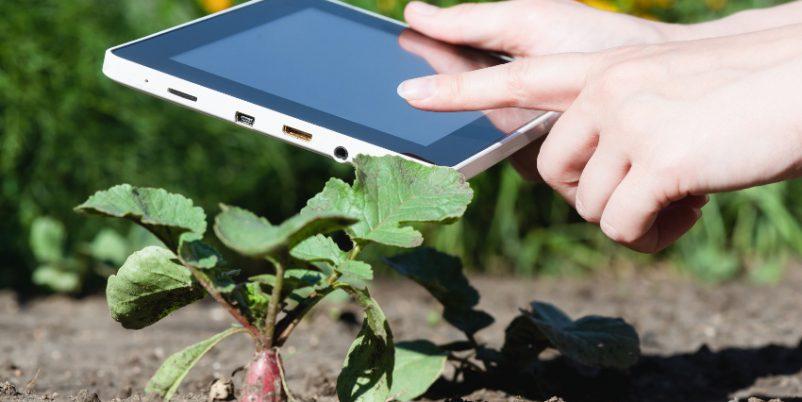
<point x="263" y="379"/>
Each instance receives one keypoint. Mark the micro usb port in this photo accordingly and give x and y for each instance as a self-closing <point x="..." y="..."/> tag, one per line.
<point x="244" y="119"/>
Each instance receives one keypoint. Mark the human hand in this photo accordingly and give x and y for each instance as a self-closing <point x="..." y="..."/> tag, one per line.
<point x="524" y="28"/>
<point x="450" y="59"/>
<point x="649" y="130"/>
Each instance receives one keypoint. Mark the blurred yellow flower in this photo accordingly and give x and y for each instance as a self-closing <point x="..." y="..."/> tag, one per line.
<point x="716" y="5"/>
<point x="606" y="5"/>
<point x="213" y="6"/>
<point x="386" y="6"/>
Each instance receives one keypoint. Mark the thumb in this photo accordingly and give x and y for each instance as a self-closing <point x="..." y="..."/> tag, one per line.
<point x="546" y="82"/>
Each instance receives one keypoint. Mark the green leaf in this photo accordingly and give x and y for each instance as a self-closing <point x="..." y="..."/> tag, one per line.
<point x="193" y="251"/>
<point x="47" y="239"/>
<point x="148" y="287"/>
<point x="257" y="300"/>
<point x="57" y="279"/>
<point x="169" y="376"/>
<point x="298" y="283"/>
<point x="166" y="215"/>
<point x="355" y="273"/>
<point x="441" y="274"/>
<point x="251" y="235"/>
<point x="368" y="369"/>
<point x="593" y="340"/>
<point x="391" y="191"/>
<point x="418" y="364"/>
<point x="319" y="248"/>
<point x="109" y="246"/>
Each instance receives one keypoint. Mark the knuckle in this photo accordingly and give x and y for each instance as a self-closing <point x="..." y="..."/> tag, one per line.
<point x="516" y="83"/>
<point x="548" y="168"/>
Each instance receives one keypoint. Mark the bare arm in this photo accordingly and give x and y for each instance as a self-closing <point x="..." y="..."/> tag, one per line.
<point x="742" y="22"/>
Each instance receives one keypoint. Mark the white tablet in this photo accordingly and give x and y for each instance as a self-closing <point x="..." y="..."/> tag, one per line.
<point x="323" y="75"/>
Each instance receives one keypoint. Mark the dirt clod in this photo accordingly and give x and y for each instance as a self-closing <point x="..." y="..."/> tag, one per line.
<point x="86" y="396"/>
<point x="222" y="389"/>
<point x="8" y="389"/>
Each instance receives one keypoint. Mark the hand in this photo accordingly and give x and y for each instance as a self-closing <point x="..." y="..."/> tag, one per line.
<point x="647" y="131"/>
<point x="449" y="59"/>
<point x="524" y="28"/>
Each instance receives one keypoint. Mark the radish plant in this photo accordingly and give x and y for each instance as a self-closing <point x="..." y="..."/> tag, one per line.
<point x="387" y="195"/>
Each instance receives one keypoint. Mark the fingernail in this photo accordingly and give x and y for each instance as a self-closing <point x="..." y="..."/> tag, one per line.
<point x="421" y="8"/>
<point x="697" y="212"/>
<point x="416" y="89"/>
<point x="609" y="230"/>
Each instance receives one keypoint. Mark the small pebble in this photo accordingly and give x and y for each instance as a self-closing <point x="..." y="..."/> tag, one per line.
<point x="8" y="389"/>
<point x="222" y="389"/>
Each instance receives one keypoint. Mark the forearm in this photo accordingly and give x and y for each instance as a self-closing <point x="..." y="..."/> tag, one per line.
<point x="739" y="23"/>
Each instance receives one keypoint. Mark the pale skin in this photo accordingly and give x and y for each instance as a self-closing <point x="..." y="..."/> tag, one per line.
<point x="655" y="116"/>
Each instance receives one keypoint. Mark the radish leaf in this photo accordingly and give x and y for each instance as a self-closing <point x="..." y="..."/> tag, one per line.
<point x="254" y="236"/>
<point x="368" y="369"/>
<point x="418" y="364"/>
<point x="148" y="287"/>
<point x="166" y="215"/>
<point x="390" y="191"/>
<point x="593" y="340"/>
<point x="169" y="376"/>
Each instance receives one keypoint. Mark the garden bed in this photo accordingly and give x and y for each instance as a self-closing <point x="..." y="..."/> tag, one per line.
<point x="700" y="342"/>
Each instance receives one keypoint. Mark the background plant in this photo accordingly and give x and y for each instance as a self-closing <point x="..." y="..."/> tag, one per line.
<point x="65" y="131"/>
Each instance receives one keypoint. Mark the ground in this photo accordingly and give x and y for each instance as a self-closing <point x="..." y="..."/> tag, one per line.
<point x="701" y="342"/>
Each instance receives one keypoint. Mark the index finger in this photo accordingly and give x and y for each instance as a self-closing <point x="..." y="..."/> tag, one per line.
<point x="547" y="83"/>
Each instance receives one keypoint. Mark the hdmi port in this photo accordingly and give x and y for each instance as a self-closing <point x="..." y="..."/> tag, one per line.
<point x="295" y="133"/>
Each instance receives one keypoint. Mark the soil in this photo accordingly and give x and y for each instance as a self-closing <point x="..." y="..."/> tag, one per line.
<point x="700" y="343"/>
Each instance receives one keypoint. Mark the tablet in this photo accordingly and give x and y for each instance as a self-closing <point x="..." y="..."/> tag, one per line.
<point x="323" y="75"/>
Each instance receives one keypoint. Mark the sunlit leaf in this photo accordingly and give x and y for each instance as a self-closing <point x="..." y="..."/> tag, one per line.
<point x="418" y="364"/>
<point x="166" y="215"/>
<point x="391" y="191"/>
<point x="319" y="248"/>
<point x="148" y="287"/>
<point x="193" y="251"/>
<point x="169" y="376"/>
<point x="251" y="235"/>
<point x="368" y="369"/>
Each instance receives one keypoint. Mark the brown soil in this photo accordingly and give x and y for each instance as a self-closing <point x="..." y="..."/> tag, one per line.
<point x="700" y="343"/>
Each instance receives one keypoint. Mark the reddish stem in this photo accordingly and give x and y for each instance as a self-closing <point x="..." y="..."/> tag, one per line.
<point x="263" y="381"/>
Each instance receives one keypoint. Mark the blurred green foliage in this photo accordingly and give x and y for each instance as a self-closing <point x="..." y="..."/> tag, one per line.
<point x="66" y="131"/>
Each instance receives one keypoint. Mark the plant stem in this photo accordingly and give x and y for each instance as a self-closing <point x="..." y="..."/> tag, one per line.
<point x="287" y="324"/>
<point x="354" y="251"/>
<point x="218" y="297"/>
<point x="275" y="303"/>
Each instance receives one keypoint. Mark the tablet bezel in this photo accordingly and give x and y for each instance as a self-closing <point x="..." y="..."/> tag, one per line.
<point x="158" y="52"/>
<point x="127" y="64"/>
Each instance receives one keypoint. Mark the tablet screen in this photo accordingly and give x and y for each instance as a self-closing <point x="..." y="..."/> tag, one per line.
<point x="332" y="66"/>
<point x="330" y="63"/>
